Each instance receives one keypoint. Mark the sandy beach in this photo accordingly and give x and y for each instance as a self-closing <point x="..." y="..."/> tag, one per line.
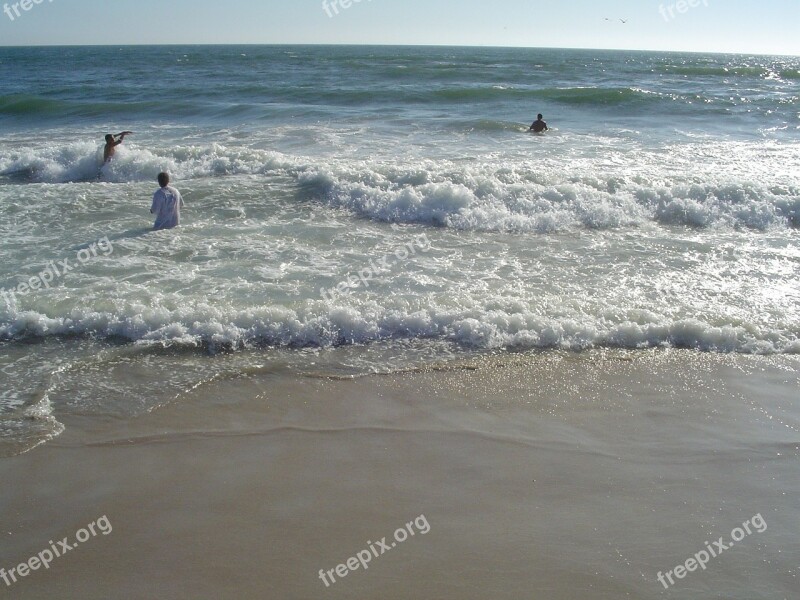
<point x="553" y="475"/>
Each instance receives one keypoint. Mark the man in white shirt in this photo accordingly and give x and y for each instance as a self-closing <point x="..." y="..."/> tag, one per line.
<point x="167" y="204"/>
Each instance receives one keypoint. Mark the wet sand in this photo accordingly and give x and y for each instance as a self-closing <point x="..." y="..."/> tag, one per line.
<point x="557" y="476"/>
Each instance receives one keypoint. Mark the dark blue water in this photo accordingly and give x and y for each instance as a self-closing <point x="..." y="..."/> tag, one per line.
<point x="587" y="90"/>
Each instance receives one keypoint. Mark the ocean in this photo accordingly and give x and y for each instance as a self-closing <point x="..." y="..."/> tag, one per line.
<point x="356" y="210"/>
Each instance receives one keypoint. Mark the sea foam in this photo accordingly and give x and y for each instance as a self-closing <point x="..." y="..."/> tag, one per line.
<point x="499" y="194"/>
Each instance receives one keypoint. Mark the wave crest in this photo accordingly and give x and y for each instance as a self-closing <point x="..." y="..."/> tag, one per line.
<point x="493" y="194"/>
<point x="323" y="325"/>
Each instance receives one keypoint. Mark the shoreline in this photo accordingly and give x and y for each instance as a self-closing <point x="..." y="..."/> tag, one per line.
<point x="564" y="475"/>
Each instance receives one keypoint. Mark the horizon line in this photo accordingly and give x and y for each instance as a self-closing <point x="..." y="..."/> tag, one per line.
<point x="379" y="45"/>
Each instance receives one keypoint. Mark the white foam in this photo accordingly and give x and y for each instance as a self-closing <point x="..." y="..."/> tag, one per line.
<point x="319" y="324"/>
<point x="674" y="295"/>
<point x="621" y="187"/>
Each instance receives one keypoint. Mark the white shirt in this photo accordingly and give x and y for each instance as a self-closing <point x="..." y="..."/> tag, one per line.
<point x="167" y="203"/>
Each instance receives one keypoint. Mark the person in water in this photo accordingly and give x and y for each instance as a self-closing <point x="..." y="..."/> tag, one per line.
<point x="111" y="145"/>
<point x="538" y="125"/>
<point x="167" y="204"/>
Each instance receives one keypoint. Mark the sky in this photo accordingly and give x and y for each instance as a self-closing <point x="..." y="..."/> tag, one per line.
<point x="744" y="26"/>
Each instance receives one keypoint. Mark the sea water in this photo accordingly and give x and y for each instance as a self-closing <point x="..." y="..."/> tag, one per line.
<point x="364" y="209"/>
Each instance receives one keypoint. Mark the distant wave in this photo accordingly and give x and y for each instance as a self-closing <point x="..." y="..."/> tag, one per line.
<point x="600" y="96"/>
<point x="715" y="71"/>
<point x="257" y="100"/>
<point x="722" y="72"/>
<point x="460" y="94"/>
<point x="586" y="96"/>
<point x="27" y="106"/>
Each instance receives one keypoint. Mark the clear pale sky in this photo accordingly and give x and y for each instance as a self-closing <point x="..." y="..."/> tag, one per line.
<point x="747" y="26"/>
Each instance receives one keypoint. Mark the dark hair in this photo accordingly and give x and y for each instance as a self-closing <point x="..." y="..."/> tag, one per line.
<point x="539" y="116"/>
<point x="163" y="179"/>
<point x="109" y="137"/>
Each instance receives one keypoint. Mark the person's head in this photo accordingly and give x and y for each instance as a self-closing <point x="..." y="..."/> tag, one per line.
<point x="109" y="138"/>
<point x="539" y="116"/>
<point x="163" y="179"/>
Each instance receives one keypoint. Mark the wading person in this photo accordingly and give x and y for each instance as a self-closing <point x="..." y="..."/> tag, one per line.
<point x="538" y="125"/>
<point x="167" y="204"/>
<point x="111" y="145"/>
